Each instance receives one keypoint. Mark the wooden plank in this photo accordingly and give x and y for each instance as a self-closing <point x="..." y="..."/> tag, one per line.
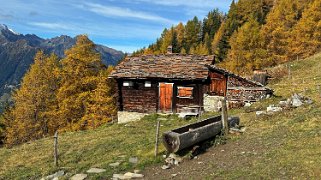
<point x="169" y="96"/>
<point x="162" y="95"/>
<point x="218" y="84"/>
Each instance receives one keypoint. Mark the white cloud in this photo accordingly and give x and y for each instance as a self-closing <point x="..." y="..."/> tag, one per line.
<point x="114" y="31"/>
<point x="113" y="11"/>
<point x="54" y="26"/>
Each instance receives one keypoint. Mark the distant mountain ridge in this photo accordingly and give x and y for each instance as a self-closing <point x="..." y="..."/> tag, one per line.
<point x="17" y="52"/>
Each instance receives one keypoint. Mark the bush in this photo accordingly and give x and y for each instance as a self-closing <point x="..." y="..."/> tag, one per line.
<point x="278" y="72"/>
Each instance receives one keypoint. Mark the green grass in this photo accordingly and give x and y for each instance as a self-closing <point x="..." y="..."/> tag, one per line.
<point x="80" y="151"/>
<point x="289" y="141"/>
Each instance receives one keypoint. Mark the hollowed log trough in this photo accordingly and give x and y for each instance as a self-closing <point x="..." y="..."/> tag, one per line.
<point x="189" y="135"/>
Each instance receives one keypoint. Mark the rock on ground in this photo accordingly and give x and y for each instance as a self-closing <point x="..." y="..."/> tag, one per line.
<point x="54" y="176"/>
<point x="79" y="177"/>
<point x="116" y="164"/>
<point x="133" y="160"/>
<point x="259" y="113"/>
<point x="272" y="109"/>
<point x="133" y="175"/>
<point x="128" y="175"/>
<point x="165" y="167"/>
<point x="296" y="100"/>
<point x="96" y="170"/>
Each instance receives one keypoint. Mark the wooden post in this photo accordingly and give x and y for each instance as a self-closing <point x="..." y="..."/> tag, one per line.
<point x="157" y="134"/>
<point x="224" y="117"/>
<point x="56" y="148"/>
<point x="289" y="73"/>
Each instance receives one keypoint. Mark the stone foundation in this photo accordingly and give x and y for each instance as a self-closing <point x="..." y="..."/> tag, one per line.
<point x="125" y="116"/>
<point x="212" y="103"/>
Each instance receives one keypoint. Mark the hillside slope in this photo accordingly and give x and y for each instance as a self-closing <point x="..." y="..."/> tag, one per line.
<point x="285" y="145"/>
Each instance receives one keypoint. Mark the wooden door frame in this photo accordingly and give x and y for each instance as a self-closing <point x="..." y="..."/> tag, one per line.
<point x="159" y="102"/>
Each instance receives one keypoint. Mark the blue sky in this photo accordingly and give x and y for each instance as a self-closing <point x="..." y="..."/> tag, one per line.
<point x="125" y="25"/>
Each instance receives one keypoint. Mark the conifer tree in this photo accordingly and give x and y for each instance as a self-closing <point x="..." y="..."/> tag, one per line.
<point x="192" y="34"/>
<point x="101" y="107"/>
<point x="180" y="31"/>
<point x="170" y="39"/>
<point x="207" y="45"/>
<point x="229" y="26"/>
<point x="247" y="50"/>
<point x="279" y="26"/>
<point x="306" y="36"/>
<point x="34" y="113"/>
<point x="2" y="129"/>
<point x="216" y="48"/>
<point x="80" y="83"/>
<point x="211" y="24"/>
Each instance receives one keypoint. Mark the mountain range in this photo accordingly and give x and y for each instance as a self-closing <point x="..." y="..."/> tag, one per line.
<point x="17" y="52"/>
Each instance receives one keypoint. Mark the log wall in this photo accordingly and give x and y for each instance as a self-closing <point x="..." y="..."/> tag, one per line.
<point x="196" y="100"/>
<point x="139" y="98"/>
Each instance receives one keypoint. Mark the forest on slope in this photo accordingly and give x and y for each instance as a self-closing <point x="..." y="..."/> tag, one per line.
<point x="253" y="34"/>
<point x="68" y="94"/>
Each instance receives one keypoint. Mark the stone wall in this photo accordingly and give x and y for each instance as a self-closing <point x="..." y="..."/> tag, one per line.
<point x="125" y="116"/>
<point x="212" y="103"/>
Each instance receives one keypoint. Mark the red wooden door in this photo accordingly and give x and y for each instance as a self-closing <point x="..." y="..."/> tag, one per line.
<point x="218" y="84"/>
<point x="165" y="97"/>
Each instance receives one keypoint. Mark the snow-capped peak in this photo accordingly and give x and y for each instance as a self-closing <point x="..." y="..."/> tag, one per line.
<point x="5" y="27"/>
<point x="14" y="32"/>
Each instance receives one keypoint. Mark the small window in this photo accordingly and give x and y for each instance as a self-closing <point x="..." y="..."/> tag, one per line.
<point x="185" y="92"/>
<point x="148" y="84"/>
<point x="128" y="83"/>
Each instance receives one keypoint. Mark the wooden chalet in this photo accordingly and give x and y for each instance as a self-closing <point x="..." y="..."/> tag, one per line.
<point x="170" y="83"/>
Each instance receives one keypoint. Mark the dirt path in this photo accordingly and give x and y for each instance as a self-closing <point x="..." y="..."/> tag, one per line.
<point x="214" y="162"/>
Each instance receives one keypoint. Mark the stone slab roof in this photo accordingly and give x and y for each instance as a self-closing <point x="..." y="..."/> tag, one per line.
<point x="168" y="66"/>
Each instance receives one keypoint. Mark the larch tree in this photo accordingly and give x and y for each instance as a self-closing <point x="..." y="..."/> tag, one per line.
<point x="34" y="113"/>
<point x="207" y="45"/>
<point x="80" y="83"/>
<point x="279" y="26"/>
<point x="247" y="49"/>
<point x="180" y="31"/>
<point x="216" y="44"/>
<point x="101" y="107"/>
<point x="307" y="32"/>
